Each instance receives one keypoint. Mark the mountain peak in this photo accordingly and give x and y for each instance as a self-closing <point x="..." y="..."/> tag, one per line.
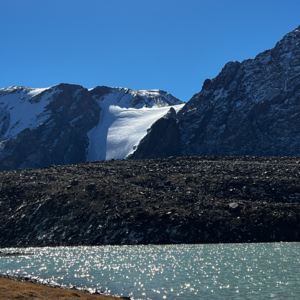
<point x="250" y="108"/>
<point x="125" y="97"/>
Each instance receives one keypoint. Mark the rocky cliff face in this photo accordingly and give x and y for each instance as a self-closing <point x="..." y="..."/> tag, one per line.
<point x="250" y="108"/>
<point x="163" y="139"/>
<point x="40" y="127"/>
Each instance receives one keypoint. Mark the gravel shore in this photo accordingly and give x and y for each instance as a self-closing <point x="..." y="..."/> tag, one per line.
<point x="11" y="289"/>
<point x="26" y="287"/>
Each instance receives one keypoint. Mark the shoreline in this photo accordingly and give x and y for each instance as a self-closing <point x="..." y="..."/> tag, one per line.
<point x="10" y="254"/>
<point x="50" y="284"/>
<point x="47" y="283"/>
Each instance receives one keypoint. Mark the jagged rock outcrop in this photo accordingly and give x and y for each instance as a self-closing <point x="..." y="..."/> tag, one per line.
<point x="250" y="108"/>
<point x="40" y="127"/>
<point x="124" y="97"/>
<point x="163" y="139"/>
<point x="171" y="200"/>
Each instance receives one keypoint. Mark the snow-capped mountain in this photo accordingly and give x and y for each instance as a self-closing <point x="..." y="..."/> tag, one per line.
<point x="250" y="108"/>
<point x="126" y="117"/>
<point x="67" y="124"/>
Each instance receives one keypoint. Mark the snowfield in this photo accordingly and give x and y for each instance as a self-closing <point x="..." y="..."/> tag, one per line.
<point x="120" y="130"/>
<point x="18" y="110"/>
<point x="125" y="118"/>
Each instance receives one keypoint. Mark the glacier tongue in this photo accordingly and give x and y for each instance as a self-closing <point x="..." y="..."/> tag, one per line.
<point x="125" y="117"/>
<point x="121" y="129"/>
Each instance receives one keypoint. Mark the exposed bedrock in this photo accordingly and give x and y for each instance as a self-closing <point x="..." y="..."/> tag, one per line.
<point x="249" y="108"/>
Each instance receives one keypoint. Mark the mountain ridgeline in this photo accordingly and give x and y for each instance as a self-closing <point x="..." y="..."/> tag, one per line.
<point x="68" y="124"/>
<point x="250" y="108"/>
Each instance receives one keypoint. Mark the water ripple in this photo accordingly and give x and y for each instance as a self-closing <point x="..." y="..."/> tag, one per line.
<point x="218" y="271"/>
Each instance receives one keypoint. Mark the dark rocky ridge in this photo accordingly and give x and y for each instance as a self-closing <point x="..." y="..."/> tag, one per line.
<point x="250" y="108"/>
<point x="172" y="200"/>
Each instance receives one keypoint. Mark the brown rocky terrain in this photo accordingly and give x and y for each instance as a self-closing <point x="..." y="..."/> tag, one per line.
<point x="11" y="289"/>
<point x="159" y="201"/>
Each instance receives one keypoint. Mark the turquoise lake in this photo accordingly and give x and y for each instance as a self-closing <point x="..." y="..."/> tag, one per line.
<point x="212" y="271"/>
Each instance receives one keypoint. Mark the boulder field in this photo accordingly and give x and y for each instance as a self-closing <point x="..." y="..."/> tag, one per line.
<point x="159" y="201"/>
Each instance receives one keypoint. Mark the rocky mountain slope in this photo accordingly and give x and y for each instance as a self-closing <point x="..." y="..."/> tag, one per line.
<point x="172" y="200"/>
<point x="250" y="108"/>
<point x="67" y="124"/>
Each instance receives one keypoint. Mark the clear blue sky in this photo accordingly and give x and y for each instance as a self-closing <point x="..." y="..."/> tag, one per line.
<point x="172" y="45"/>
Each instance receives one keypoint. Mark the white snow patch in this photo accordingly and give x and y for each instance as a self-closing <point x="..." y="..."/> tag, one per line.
<point x="120" y="130"/>
<point x="124" y="97"/>
<point x="24" y="113"/>
<point x="35" y="92"/>
<point x="149" y="92"/>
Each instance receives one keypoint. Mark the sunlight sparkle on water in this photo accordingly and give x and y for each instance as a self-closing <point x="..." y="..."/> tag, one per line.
<point x="232" y="271"/>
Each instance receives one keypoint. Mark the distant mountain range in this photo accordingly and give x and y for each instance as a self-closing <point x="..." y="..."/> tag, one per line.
<point x="68" y="124"/>
<point x="250" y="108"/>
